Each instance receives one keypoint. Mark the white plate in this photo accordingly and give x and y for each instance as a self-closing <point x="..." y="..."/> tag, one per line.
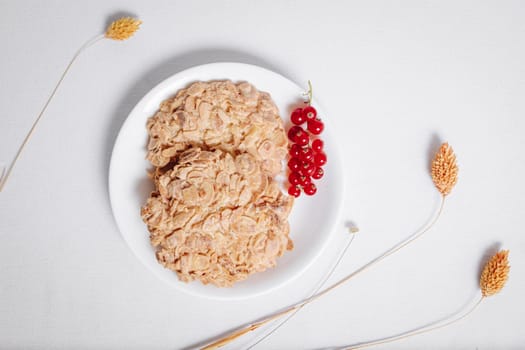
<point x="312" y="219"/>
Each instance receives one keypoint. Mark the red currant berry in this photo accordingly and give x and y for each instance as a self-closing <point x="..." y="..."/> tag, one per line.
<point x="320" y="159"/>
<point x="297" y="116"/>
<point x="315" y="126"/>
<point x="310" y="189"/>
<point x="302" y="138"/>
<point x="306" y="154"/>
<point x="294" y="131"/>
<point x="294" y="191"/>
<point x="295" y="151"/>
<point x="294" y="179"/>
<point x="294" y="164"/>
<point x="307" y="169"/>
<point x="317" y="145"/>
<point x="305" y="181"/>
<point x="318" y="173"/>
<point x="309" y="112"/>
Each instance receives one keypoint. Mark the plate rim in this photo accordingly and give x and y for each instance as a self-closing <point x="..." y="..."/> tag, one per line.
<point x="336" y="156"/>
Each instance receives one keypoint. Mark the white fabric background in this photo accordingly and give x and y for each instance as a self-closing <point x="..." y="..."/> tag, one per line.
<point x="395" y="77"/>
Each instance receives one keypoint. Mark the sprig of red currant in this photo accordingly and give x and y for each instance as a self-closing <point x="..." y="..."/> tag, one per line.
<point x="306" y="152"/>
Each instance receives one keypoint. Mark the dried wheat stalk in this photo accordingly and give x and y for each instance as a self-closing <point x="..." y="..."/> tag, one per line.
<point x="493" y="278"/>
<point x="444" y="172"/>
<point x="120" y="29"/>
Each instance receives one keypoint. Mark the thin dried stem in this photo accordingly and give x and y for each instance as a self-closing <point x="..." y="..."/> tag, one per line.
<point x="319" y="286"/>
<point x="493" y="278"/>
<point x="239" y="332"/>
<point x="242" y="331"/>
<point x="389" y="252"/>
<point x="120" y="29"/>
<point x="90" y="42"/>
<point x="436" y="325"/>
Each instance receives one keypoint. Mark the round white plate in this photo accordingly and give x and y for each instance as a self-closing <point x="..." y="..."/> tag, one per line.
<point x="312" y="219"/>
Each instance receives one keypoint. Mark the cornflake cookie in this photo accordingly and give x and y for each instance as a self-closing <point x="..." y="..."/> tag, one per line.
<point x="219" y="114"/>
<point x="217" y="217"/>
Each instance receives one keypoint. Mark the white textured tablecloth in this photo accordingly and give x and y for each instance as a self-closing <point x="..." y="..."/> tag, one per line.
<point x="395" y="77"/>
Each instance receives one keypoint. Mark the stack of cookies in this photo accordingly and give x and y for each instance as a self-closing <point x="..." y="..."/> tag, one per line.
<point x="217" y="213"/>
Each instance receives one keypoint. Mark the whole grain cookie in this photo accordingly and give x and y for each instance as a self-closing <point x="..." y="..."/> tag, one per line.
<point x="217" y="216"/>
<point x="236" y="118"/>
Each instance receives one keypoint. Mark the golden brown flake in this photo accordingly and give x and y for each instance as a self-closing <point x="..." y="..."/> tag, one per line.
<point x="495" y="274"/>
<point x="123" y="28"/>
<point x="444" y="169"/>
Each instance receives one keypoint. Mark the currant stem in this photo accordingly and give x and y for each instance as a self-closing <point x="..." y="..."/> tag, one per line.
<point x="310" y="92"/>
